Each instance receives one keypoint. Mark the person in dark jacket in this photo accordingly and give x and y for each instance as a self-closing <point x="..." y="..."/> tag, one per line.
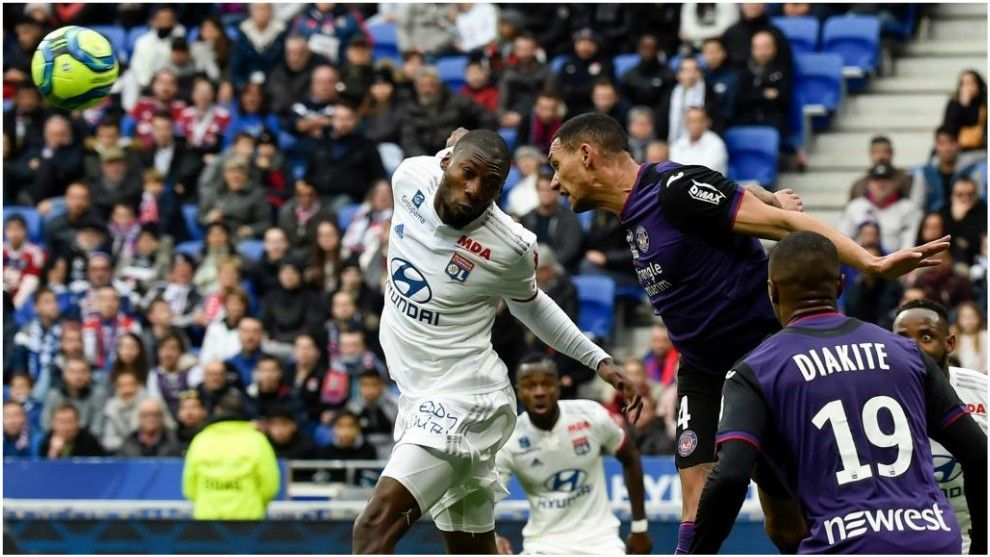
<point x="152" y="438"/>
<point x="690" y="90"/>
<point x="67" y="437"/>
<point x="576" y="78"/>
<point x="258" y="45"/>
<point x="613" y="21"/>
<point x="607" y="250"/>
<point x="60" y="231"/>
<point x="521" y="82"/>
<point x="240" y="205"/>
<point x="20" y="438"/>
<point x="290" y="309"/>
<point x="191" y="417"/>
<point x="764" y="96"/>
<point x="553" y="224"/>
<point x="286" y="438"/>
<point x="214" y="386"/>
<point x="55" y="164"/>
<point x="300" y="215"/>
<point x="117" y="183"/>
<point x="966" y="112"/>
<point x="348" y="444"/>
<point x="723" y="78"/>
<point x="739" y="36"/>
<point x="170" y="156"/>
<point x="649" y="81"/>
<point x="290" y="78"/>
<point x="344" y="168"/>
<point x="436" y="112"/>
<point x="356" y="71"/>
<point x="306" y="376"/>
<point x="386" y="109"/>
<point x="270" y="393"/>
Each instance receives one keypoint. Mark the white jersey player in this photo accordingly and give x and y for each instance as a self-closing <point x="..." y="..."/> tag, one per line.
<point x="927" y="323"/>
<point x="452" y="256"/>
<point x="556" y="453"/>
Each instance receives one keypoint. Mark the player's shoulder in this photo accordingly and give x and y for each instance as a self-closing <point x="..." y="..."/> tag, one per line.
<point x="963" y="378"/>
<point x="583" y="409"/>
<point x="416" y="169"/>
<point x="511" y="239"/>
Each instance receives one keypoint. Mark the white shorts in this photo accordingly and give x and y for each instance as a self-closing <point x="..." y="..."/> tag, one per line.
<point x="606" y="545"/>
<point x="444" y="454"/>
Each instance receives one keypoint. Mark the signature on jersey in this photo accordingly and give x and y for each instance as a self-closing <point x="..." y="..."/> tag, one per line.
<point x="433" y="418"/>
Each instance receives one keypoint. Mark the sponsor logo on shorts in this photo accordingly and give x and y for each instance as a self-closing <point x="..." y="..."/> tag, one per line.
<point x="687" y="443"/>
<point x="706" y="193"/>
<point x="857" y="523"/>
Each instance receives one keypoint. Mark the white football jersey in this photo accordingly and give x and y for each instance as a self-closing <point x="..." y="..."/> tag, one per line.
<point x="971" y="386"/>
<point x="563" y="476"/>
<point x="443" y="286"/>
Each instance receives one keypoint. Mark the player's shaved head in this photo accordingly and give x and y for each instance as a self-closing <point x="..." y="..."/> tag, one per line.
<point x="536" y="363"/>
<point x="926" y="322"/>
<point x="487" y="145"/>
<point x="474" y="173"/>
<point x="804" y="274"/>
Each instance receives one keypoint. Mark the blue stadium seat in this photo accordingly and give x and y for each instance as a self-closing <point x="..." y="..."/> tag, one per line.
<point x="623" y="63"/>
<point x="801" y="32"/>
<point x="25" y="313"/>
<point x="510" y="135"/>
<point x="818" y="87"/>
<point x="192" y="248"/>
<point x="117" y="37"/>
<point x="128" y="125"/>
<point x="856" y="38"/>
<point x="31" y="218"/>
<point x="190" y="212"/>
<point x="451" y="69"/>
<point x="251" y="249"/>
<point x="596" y="299"/>
<point x="132" y="37"/>
<point x="558" y="62"/>
<point x="386" y="41"/>
<point x="346" y="214"/>
<point x="753" y="153"/>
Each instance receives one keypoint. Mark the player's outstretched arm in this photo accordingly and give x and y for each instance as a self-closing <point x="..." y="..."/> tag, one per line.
<point x="638" y="543"/>
<point x="755" y="218"/>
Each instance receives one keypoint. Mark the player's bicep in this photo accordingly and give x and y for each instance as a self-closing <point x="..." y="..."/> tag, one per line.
<point x="699" y="199"/>
<point x="518" y="282"/>
<point x="743" y="414"/>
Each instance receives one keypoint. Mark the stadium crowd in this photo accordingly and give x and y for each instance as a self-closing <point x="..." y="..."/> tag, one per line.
<point x="220" y="221"/>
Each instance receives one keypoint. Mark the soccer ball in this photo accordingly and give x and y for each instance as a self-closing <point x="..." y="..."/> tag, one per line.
<point x="74" y="67"/>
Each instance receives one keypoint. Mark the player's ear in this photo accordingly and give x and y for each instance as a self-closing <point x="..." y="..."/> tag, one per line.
<point x="445" y="162"/>
<point x="950" y="343"/>
<point x="586" y="152"/>
<point x="774" y="293"/>
<point x="840" y="285"/>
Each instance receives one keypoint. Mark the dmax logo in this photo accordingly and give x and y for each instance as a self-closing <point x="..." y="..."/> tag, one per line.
<point x="566" y="481"/>
<point x="705" y="192"/>
<point x="409" y="281"/>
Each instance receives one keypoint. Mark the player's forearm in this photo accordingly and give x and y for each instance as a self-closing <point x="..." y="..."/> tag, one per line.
<point x="850" y="252"/>
<point x="723" y="496"/>
<point x="633" y="472"/>
<point x="545" y="318"/>
<point x="763" y="195"/>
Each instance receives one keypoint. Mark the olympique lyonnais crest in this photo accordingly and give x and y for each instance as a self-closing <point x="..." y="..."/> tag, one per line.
<point x="459" y="268"/>
<point x="581" y="446"/>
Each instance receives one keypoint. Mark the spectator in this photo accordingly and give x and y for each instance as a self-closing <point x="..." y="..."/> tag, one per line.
<point x="385" y="109"/>
<point x="68" y="437"/>
<point x="606" y="100"/>
<point x="343" y="168"/>
<point x="699" y="145"/>
<point x="306" y="378"/>
<point x="172" y="376"/>
<point x="356" y="70"/>
<point x="257" y="47"/>
<point x="120" y="415"/>
<point x="932" y="187"/>
<point x="211" y="49"/>
<point x="521" y="82"/>
<point x="252" y="115"/>
<point x="22" y="261"/>
<point x="91" y="253"/>
<point x="662" y="360"/>
<point x="240" y="205"/>
<point x="476" y="26"/>
<point x="152" y="438"/>
<point x="124" y="230"/>
<point x="344" y="317"/>
<point x="148" y="263"/>
<point x="179" y="291"/>
<point x="577" y="76"/>
<point x="882" y="152"/>
<point x="649" y="81"/>
<point x="79" y="389"/>
<point x="641" y="131"/>
<point x="229" y="452"/>
<point x="553" y="224"/>
<point x="428" y="29"/>
<point x="372" y="216"/>
<point x="405" y="75"/>
<point x="700" y="22"/>
<point x="869" y="298"/>
<point x="36" y="344"/>
<point x="971" y="334"/>
<point x="690" y="91"/>
<point x="164" y="99"/>
<point x="764" y="96"/>
<point x="273" y="167"/>
<point x="265" y="272"/>
<point x="329" y="28"/>
<point x="19" y="439"/>
<point x="635" y="370"/>
<point x="205" y="122"/>
<point x="290" y="309"/>
<point x="152" y="49"/>
<point x="352" y="358"/>
<point x="214" y="386"/>
<point x="348" y="443"/>
<point x="118" y="182"/>
<point x="299" y="217"/>
<point x="286" y="438"/>
<point x="373" y="261"/>
<point x="324" y="263"/>
<point x="172" y="158"/>
<point x="739" y="37"/>
<point x="17" y="55"/>
<point x="650" y="433"/>
<point x="21" y="391"/>
<point x="269" y="391"/>
<point x="522" y="196"/>
<point x="130" y="357"/>
<point x="943" y="283"/>
<point x="70" y="347"/>
<point x="191" y="418"/>
<point x="181" y="63"/>
<point x="311" y="118"/>
<point x="101" y="332"/>
<point x="478" y="86"/>
<point x="966" y="112"/>
<point x="978" y="273"/>
<point x="376" y="410"/>
<point x="159" y="208"/>
<point x="657" y="151"/>
<point x="228" y="278"/>
<point x="55" y="165"/>
<point x="436" y="112"/>
<point x="290" y="78"/>
<point x="541" y="127"/>
<point x="606" y="250"/>
<point x="221" y="340"/>
<point x="241" y="366"/>
<point x="108" y="138"/>
<point x="898" y="218"/>
<point x="60" y="231"/>
<point x="719" y="73"/>
<point x="965" y="219"/>
<point x="218" y="246"/>
<point x="160" y="318"/>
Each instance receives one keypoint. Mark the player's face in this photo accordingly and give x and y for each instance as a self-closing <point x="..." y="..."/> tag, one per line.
<point x="539" y="392"/>
<point x="571" y="177"/>
<point x="471" y="182"/>
<point x="922" y="326"/>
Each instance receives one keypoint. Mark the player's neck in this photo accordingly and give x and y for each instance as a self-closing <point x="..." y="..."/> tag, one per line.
<point x="547" y="421"/>
<point x="806" y="308"/>
<point x="617" y="182"/>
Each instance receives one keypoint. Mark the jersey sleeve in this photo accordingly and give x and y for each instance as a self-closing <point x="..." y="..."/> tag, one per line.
<point x="743" y="416"/>
<point x="606" y="430"/>
<point x="503" y="465"/>
<point x="943" y="407"/>
<point x="518" y="282"/>
<point x="698" y="199"/>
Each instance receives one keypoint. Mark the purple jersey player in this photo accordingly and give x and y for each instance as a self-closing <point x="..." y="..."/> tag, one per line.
<point x="840" y="412"/>
<point x="693" y="235"/>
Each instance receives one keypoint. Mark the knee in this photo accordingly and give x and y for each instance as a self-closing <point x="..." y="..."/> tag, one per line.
<point x="368" y="533"/>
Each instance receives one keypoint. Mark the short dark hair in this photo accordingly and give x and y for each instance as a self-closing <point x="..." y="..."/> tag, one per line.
<point x="878" y="139"/>
<point x="716" y="40"/>
<point x="599" y="130"/>
<point x="489" y="142"/>
<point x="370" y="373"/>
<point x="66" y="406"/>
<point x="946" y="130"/>
<point x="803" y="258"/>
<point x="16" y="218"/>
<point x="536" y="359"/>
<point x="345" y="414"/>
<point x="41" y="291"/>
<point x="925" y="303"/>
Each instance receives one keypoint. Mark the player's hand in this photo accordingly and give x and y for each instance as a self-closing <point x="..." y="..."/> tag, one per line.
<point x="456" y="136"/>
<point x="639" y="544"/>
<point x="632" y="403"/>
<point x="907" y="260"/>
<point x="789" y="200"/>
<point x="503" y="545"/>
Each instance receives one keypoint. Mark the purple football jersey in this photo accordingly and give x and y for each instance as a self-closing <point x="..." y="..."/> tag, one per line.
<point x="708" y="284"/>
<point x="841" y="411"/>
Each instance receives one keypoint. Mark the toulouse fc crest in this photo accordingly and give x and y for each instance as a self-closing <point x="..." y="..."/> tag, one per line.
<point x="642" y="239"/>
